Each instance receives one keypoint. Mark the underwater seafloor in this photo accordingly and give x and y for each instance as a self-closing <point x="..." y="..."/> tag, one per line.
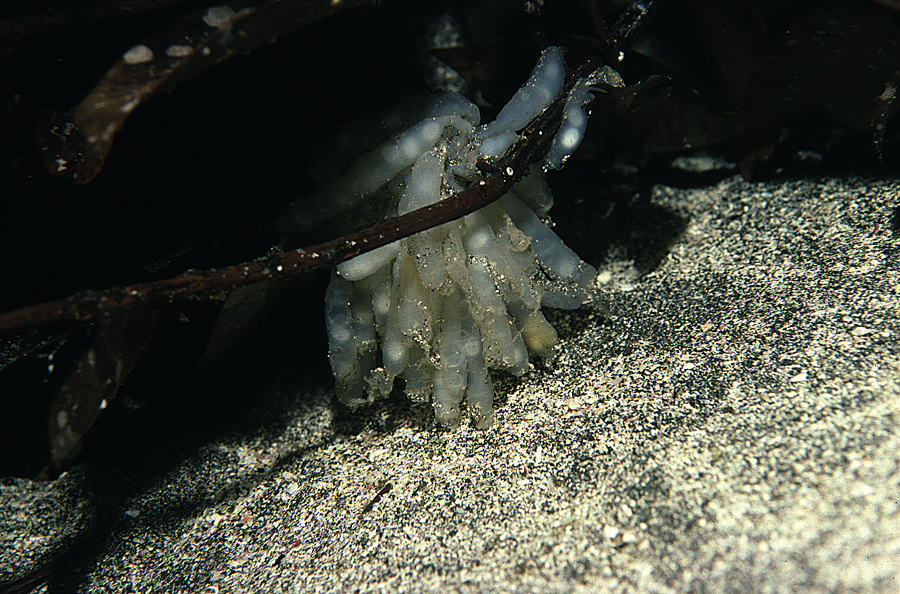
<point x="725" y="419"/>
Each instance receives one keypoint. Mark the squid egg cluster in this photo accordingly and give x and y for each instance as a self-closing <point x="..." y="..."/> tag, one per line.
<point x="440" y="308"/>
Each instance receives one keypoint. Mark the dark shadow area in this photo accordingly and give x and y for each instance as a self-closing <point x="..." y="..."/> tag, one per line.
<point x="597" y="208"/>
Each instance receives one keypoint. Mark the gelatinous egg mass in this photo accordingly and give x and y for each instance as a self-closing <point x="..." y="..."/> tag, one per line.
<point x="441" y="307"/>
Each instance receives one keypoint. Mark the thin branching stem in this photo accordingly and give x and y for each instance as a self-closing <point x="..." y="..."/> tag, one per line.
<point x="278" y="264"/>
